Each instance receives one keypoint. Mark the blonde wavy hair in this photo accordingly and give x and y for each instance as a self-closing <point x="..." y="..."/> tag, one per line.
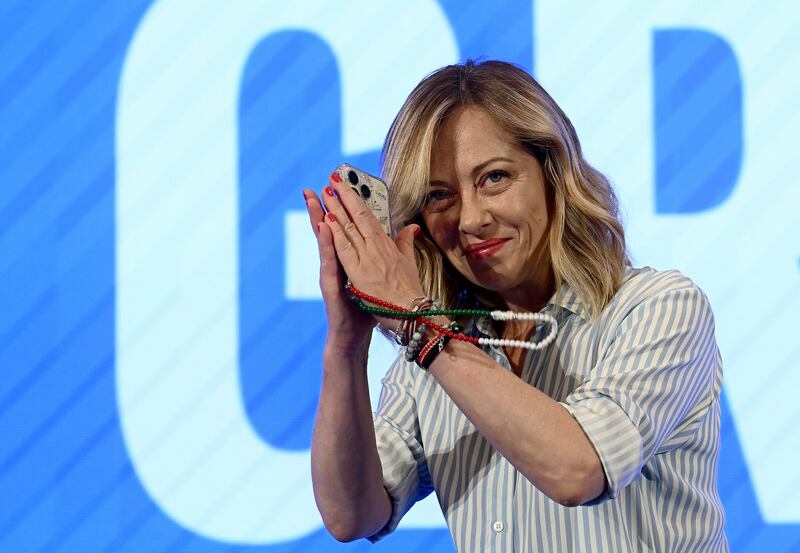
<point x="586" y="238"/>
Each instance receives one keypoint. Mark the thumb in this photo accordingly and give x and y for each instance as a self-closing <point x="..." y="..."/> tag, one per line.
<point x="405" y="239"/>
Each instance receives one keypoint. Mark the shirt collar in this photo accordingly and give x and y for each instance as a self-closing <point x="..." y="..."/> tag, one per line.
<point x="566" y="298"/>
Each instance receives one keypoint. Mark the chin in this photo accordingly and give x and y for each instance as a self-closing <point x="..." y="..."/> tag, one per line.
<point x="496" y="283"/>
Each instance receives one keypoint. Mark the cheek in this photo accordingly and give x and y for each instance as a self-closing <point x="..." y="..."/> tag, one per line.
<point x="538" y="220"/>
<point x="538" y="227"/>
<point x="530" y="210"/>
<point x="443" y="229"/>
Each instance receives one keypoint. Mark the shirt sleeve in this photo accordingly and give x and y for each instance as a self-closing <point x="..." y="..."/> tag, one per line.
<point x="653" y="386"/>
<point x="397" y="434"/>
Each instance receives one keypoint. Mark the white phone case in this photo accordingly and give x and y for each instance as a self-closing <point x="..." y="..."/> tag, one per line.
<point x="371" y="189"/>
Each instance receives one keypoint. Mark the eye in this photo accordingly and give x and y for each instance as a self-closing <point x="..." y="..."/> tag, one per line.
<point x="438" y="195"/>
<point x="438" y="199"/>
<point x="495" y="177"/>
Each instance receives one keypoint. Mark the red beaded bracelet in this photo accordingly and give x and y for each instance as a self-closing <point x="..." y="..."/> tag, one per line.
<point x="431" y="350"/>
<point x="421" y="319"/>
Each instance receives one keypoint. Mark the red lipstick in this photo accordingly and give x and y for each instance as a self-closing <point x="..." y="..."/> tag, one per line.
<point x="485" y="249"/>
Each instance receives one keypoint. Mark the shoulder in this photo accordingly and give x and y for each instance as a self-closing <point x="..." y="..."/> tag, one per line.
<point x="645" y="283"/>
<point x="649" y="293"/>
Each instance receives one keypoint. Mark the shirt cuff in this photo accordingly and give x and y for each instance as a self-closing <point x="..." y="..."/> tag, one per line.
<point x="400" y="474"/>
<point x="614" y="437"/>
<point x="399" y="506"/>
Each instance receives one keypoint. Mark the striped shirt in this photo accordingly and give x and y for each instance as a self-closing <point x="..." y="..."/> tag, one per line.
<point x="643" y="381"/>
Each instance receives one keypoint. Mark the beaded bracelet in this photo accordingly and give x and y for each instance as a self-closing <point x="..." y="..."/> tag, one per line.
<point x="407" y="324"/>
<point x="387" y="309"/>
<point x="434" y="347"/>
<point x="431" y="350"/>
<point x="413" y="344"/>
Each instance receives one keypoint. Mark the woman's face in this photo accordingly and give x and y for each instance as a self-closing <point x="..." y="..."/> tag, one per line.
<point x="487" y="208"/>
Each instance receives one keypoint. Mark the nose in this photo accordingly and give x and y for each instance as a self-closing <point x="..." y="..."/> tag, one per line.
<point x="473" y="216"/>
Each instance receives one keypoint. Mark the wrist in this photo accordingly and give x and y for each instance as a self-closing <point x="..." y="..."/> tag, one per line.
<point x="429" y="339"/>
<point x="399" y="300"/>
<point x="338" y="349"/>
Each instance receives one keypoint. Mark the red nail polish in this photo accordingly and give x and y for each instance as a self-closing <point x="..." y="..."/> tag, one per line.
<point x="417" y="231"/>
<point x="329" y="190"/>
<point x="331" y="217"/>
<point x="335" y="176"/>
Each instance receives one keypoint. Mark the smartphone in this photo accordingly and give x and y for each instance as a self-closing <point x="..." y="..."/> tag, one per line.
<point x="371" y="189"/>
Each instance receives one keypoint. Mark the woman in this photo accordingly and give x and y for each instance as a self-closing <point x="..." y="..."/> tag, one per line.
<point x="605" y="440"/>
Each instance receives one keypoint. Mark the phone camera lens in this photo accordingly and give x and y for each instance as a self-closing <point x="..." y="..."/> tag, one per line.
<point x="352" y="177"/>
<point x="365" y="191"/>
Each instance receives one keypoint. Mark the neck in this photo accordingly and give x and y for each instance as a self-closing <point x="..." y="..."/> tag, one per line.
<point x="533" y="296"/>
<point x="531" y="299"/>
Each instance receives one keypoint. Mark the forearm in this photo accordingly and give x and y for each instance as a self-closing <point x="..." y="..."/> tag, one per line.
<point x="533" y="431"/>
<point x="345" y="467"/>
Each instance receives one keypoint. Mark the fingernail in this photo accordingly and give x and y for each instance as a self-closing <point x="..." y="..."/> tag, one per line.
<point x="304" y="196"/>
<point x="335" y="176"/>
<point x="417" y="231"/>
<point x="329" y="191"/>
<point x="330" y="217"/>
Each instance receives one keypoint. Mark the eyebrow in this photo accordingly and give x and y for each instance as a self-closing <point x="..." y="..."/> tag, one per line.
<point x="475" y="170"/>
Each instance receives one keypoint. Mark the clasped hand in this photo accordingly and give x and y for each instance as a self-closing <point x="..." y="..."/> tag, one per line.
<point x="351" y="237"/>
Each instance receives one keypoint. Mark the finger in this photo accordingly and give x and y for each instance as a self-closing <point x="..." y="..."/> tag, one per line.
<point x="349" y="228"/>
<point x="330" y="279"/>
<point x="358" y="211"/>
<point x="315" y="211"/>
<point x="405" y="239"/>
<point x="345" y="251"/>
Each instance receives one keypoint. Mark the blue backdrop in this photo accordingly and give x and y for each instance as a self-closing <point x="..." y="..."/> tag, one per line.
<point x="160" y="323"/>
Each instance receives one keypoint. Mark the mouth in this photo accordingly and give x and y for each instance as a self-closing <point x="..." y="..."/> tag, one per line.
<point x="485" y="249"/>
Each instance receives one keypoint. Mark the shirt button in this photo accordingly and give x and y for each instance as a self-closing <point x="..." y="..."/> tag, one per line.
<point x="498" y="526"/>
